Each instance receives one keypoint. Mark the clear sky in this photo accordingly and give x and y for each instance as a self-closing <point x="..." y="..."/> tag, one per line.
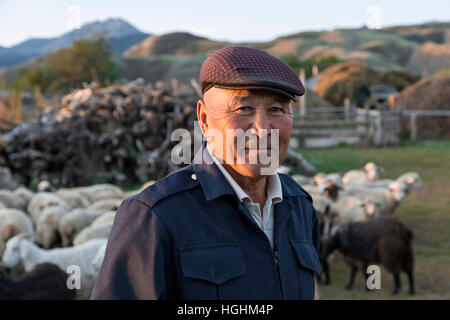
<point x="234" y="20"/>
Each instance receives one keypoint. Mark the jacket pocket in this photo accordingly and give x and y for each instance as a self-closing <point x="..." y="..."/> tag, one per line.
<point x="213" y="272"/>
<point x="307" y="255"/>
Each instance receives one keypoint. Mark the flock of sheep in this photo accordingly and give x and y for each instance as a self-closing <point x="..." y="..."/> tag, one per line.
<point x="356" y="217"/>
<point x="50" y="231"/>
<point x="55" y="229"/>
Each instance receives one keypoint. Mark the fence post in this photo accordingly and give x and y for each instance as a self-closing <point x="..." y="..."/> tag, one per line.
<point x="302" y="99"/>
<point x="347" y="109"/>
<point x="413" y="125"/>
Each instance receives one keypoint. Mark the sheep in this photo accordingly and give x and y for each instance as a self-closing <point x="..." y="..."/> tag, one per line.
<point x="45" y="281"/>
<point x="101" y="191"/>
<point x="106" y="218"/>
<point x="389" y="198"/>
<point x="41" y="201"/>
<point x="302" y="180"/>
<point x="45" y="186"/>
<point x="100" y="231"/>
<point x="11" y="200"/>
<point x="410" y="180"/>
<point x="20" y="250"/>
<point x="13" y="222"/>
<point x="370" y="172"/>
<point x="105" y="205"/>
<point x="98" y="259"/>
<point x="25" y="193"/>
<point x="384" y="240"/>
<point x="351" y="209"/>
<point x="73" y="198"/>
<point x="330" y="188"/>
<point x="322" y="206"/>
<point x="321" y="177"/>
<point x="73" y="222"/>
<point x="47" y="226"/>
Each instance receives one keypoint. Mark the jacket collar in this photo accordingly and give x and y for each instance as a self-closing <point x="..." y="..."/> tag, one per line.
<point x="208" y="174"/>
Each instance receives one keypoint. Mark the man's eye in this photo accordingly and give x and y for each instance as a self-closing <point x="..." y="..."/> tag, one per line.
<point x="276" y="109"/>
<point x="244" y="109"/>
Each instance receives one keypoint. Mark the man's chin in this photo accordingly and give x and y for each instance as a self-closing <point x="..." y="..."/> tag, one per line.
<point x="255" y="170"/>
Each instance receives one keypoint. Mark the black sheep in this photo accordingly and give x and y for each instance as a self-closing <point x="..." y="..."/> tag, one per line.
<point x="45" y="282"/>
<point x="384" y="240"/>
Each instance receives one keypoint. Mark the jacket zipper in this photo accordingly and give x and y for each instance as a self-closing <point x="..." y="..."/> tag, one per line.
<point x="275" y="256"/>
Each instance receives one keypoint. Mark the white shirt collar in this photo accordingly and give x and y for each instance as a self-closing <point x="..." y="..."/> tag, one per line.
<point x="274" y="191"/>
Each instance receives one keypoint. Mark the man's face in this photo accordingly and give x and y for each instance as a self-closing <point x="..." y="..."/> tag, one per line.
<point x="255" y="112"/>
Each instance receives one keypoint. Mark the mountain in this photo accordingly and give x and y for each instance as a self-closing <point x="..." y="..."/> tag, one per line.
<point x="120" y="34"/>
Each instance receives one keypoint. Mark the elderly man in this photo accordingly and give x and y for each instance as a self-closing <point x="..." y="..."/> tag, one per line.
<point x="222" y="227"/>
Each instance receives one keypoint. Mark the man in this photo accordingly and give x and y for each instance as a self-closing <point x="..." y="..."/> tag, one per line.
<point x="226" y="226"/>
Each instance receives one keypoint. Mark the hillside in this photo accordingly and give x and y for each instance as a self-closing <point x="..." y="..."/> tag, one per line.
<point x="417" y="48"/>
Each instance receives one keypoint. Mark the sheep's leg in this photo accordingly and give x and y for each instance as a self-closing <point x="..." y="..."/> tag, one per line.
<point x="411" y="281"/>
<point x="352" y="278"/>
<point x="326" y="272"/>
<point x="396" y="283"/>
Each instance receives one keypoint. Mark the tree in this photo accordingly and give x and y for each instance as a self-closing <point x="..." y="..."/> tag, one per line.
<point x="85" y="60"/>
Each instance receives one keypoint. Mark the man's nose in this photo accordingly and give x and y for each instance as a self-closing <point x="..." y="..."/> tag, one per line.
<point x="261" y="125"/>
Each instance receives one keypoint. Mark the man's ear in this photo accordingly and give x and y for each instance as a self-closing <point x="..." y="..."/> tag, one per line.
<point x="202" y="116"/>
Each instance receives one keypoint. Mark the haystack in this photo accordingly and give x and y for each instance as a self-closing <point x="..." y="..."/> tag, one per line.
<point x="430" y="93"/>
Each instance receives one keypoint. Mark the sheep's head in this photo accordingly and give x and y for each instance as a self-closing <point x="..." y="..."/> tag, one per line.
<point x="12" y="255"/>
<point x="319" y="178"/>
<point x="412" y="180"/>
<point x="331" y="189"/>
<point x="47" y="230"/>
<point x="397" y="190"/>
<point x="371" y="207"/>
<point x="372" y="171"/>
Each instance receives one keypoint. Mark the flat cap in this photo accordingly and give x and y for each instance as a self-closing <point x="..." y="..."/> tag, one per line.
<point x="236" y="67"/>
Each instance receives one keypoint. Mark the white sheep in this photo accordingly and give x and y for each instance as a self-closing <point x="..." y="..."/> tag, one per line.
<point x="11" y="200"/>
<point x="352" y="209"/>
<point x="100" y="231"/>
<point x="20" y="250"/>
<point x="47" y="226"/>
<point x="105" y="205"/>
<point x="389" y="197"/>
<point x="44" y="200"/>
<point x="73" y="222"/>
<point x="26" y="195"/>
<point x="101" y="191"/>
<point x="73" y="198"/>
<point x="98" y="259"/>
<point x="370" y="172"/>
<point x="13" y="222"/>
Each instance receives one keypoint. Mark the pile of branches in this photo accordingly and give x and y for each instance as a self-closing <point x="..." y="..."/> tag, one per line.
<point x="118" y="134"/>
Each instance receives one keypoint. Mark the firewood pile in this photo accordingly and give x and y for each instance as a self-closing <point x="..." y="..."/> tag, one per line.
<point x="117" y="134"/>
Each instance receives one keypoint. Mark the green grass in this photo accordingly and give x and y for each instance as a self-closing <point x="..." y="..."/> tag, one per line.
<point x="425" y="211"/>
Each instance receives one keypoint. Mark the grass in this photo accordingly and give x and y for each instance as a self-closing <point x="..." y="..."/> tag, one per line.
<point x="425" y="211"/>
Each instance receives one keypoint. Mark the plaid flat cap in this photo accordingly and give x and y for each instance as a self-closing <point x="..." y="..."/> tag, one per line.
<point x="235" y="67"/>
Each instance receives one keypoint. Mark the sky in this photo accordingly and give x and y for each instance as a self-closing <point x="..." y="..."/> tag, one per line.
<point x="232" y="20"/>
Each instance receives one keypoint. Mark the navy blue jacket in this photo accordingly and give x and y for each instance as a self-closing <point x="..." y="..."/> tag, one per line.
<point x="189" y="237"/>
